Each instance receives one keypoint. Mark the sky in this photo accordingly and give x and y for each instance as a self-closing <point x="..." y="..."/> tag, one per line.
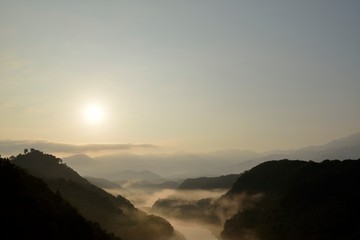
<point x="179" y="75"/>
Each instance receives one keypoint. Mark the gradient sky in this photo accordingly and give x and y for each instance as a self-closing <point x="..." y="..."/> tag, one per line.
<point x="183" y="75"/>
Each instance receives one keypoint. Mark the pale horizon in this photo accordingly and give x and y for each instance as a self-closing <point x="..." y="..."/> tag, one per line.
<point x="9" y="147"/>
<point x="181" y="76"/>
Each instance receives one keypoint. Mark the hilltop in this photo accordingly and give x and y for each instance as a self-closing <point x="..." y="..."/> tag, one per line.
<point x="115" y="214"/>
<point x="295" y="200"/>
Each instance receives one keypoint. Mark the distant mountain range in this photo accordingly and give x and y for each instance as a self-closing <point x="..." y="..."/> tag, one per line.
<point x="340" y="149"/>
<point x="184" y="165"/>
<point x="114" y="214"/>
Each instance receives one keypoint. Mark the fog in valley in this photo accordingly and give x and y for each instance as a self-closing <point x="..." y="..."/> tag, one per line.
<point x="191" y="228"/>
<point x="190" y="194"/>
<point x="172" y="206"/>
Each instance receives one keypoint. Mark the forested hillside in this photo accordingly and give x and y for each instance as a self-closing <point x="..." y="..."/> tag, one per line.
<point x="30" y="210"/>
<point x="209" y="183"/>
<point x="296" y="200"/>
<point x="115" y="214"/>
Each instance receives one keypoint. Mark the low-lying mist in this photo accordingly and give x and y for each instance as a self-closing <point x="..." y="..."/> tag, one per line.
<point x="145" y="198"/>
<point x="197" y="214"/>
<point x="190" y="225"/>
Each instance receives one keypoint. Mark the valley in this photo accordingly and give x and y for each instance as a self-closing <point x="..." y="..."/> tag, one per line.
<point x="258" y="203"/>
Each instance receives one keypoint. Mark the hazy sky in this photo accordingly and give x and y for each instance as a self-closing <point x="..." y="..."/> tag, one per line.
<point x="184" y="75"/>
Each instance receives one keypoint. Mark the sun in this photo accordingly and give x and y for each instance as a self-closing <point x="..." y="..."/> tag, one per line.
<point x="94" y="114"/>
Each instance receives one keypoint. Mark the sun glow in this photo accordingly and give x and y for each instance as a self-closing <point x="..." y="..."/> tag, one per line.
<point x="94" y="114"/>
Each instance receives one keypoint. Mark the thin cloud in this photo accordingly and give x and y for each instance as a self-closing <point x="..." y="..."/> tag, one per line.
<point x="17" y="146"/>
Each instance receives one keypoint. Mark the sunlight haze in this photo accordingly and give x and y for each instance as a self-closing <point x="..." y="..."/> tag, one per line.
<point x="181" y="75"/>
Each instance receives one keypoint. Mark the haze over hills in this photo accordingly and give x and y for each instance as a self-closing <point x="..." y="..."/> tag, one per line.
<point x="102" y="183"/>
<point x="286" y="199"/>
<point x="178" y="165"/>
<point x="133" y="175"/>
<point x="182" y="165"/>
<point x="343" y="148"/>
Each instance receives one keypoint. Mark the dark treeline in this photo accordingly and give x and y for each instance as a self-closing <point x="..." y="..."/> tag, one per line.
<point x="209" y="183"/>
<point x="300" y="200"/>
<point x="30" y="210"/>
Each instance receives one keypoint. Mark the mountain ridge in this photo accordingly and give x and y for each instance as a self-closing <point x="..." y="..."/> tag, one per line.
<point x="185" y="165"/>
<point x="115" y="214"/>
<point x="295" y="200"/>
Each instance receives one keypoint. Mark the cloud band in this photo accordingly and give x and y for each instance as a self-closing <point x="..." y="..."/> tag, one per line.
<point x="16" y="146"/>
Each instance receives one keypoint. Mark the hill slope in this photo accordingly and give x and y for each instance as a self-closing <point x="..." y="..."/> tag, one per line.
<point x="115" y="214"/>
<point x="102" y="183"/>
<point x="298" y="200"/>
<point x="29" y="210"/>
<point x="209" y="183"/>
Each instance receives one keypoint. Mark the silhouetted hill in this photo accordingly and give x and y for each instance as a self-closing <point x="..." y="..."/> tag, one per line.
<point x="295" y="200"/>
<point x="102" y="183"/>
<point x="115" y="214"/>
<point x="47" y="166"/>
<point x="209" y="183"/>
<point x="29" y="210"/>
